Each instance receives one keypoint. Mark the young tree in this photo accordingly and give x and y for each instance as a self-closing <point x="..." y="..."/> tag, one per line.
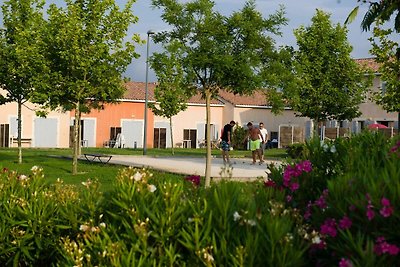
<point x="387" y="53"/>
<point x="23" y="67"/>
<point x="88" y="55"/>
<point x="171" y="93"/>
<point x="330" y="84"/>
<point x="219" y="51"/>
<point x="381" y="12"/>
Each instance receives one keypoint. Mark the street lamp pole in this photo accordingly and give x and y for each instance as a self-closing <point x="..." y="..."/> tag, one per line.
<point x="149" y="32"/>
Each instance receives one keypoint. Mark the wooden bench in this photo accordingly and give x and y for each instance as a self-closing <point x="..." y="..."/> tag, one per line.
<point x="93" y="157"/>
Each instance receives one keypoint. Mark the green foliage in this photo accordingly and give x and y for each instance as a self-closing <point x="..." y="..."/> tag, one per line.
<point x="34" y="215"/>
<point x="88" y="54"/>
<point x="231" y="52"/>
<point x="349" y="200"/>
<point x="144" y="221"/>
<point x="387" y="54"/>
<point x="238" y="135"/>
<point x="330" y="84"/>
<point x="296" y="150"/>
<point x="22" y="61"/>
<point x="171" y="92"/>
<point x="23" y="66"/>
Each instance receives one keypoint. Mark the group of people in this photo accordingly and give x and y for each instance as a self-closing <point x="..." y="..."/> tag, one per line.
<point x="257" y="137"/>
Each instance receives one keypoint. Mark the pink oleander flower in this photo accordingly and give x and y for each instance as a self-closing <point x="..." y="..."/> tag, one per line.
<point x="308" y="213"/>
<point x="386" y="211"/>
<point x="321" y="202"/>
<point x="269" y="183"/>
<point x="370" y="214"/>
<point x="306" y="166"/>
<point x="345" y="223"/>
<point x="194" y="179"/>
<point x="383" y="247"/>
<point x="345" y="263"/>
<point x="395" y="147"/>
<point x="329" y="228"/>
<point x="289" y="198"/>
<point x="294" y="187"/>
<point x="385" y="201"/>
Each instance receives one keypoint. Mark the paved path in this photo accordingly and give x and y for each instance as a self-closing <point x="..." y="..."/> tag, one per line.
<point x="241" y="167"/>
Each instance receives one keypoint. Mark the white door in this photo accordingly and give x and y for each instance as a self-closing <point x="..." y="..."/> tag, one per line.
<point x="45" y="132"/>
<point x="132" y="132"/>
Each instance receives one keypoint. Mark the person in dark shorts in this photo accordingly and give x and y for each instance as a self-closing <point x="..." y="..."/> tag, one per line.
<point x="226" y="138"/>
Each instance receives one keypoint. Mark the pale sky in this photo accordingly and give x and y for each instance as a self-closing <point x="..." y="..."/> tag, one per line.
<point x="299" y="12"/>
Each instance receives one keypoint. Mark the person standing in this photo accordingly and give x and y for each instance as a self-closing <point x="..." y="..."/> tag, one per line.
<point x="256" y="139"/>
<point x="264" y="136"/>
<point x="226" y="138"/>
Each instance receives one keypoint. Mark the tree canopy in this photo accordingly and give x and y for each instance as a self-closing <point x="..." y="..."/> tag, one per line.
<point x="386" y="52"/>
<point x="23" y="66"/>
<point x="230" y="52"/>
<point x="330" y="83"/>
<point x="171" y="92"/>
<point x="88" y="52"/>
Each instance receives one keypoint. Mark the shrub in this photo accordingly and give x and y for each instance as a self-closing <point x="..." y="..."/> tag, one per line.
<point x="353" y="214"/>
<point x="296" y="151"/>
<point x="238" y="136"/>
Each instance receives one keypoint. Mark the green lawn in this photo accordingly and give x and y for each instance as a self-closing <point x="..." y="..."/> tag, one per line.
<point x="56" y="163"/>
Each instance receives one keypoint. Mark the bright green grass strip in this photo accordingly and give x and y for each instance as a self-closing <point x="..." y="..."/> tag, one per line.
<point x="56" y="163"/>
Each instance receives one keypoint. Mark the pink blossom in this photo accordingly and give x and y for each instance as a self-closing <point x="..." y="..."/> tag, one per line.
<point x="194" y="179"/>
<point x="345" y="223"/>
<point x="307" y="213"/>
<point x="270" y="183"/>
<point x="370" y="214"/>
<point x="306" y="166"/>
<point x="321" y="202"/>
<point x="385" y="201"/>
<point x="345" y="263"/>
<point x="383" y="247"/>
<point x="329" y="228"/>
<point x="386" y="211"/>
<point x="294" y="186"/>
<point x="289" y="198"/>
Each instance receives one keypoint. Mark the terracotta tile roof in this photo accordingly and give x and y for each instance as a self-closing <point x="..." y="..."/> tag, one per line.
<point x="258" y="98"/>
<point x="369" y="63"/>
<point x="136" y="91"/>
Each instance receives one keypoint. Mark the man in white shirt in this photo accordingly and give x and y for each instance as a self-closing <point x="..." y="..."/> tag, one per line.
<point x="264" y="138"/>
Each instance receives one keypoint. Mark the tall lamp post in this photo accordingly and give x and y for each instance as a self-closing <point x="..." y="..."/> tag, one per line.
<point x="149" y="32"/>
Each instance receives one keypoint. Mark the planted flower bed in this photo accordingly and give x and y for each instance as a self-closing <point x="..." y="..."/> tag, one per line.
<point x="336" y="206"/>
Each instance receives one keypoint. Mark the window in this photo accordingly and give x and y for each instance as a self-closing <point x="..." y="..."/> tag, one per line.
<point x="383" y="87"/>
<point x="189" y="138"/>
<point x="4" y="135"/>
<point x="114" y="131"/>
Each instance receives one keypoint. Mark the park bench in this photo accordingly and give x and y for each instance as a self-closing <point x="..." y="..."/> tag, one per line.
<point x="103" y="158"/>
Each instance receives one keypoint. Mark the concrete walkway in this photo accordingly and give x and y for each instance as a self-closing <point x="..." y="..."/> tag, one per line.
<point x="241" y="167"/>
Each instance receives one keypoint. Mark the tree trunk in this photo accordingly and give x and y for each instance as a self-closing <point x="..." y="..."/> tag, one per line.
<point x="208" y="137"/>
<point x="172" y="138"/>
<point x="76" y="139"/>
<point x="19" y="122"/>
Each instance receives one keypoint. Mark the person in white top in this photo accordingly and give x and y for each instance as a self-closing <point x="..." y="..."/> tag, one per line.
<point x="264" y="139"/>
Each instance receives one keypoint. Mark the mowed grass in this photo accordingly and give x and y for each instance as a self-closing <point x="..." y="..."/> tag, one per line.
<point x="57" y="163"/>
